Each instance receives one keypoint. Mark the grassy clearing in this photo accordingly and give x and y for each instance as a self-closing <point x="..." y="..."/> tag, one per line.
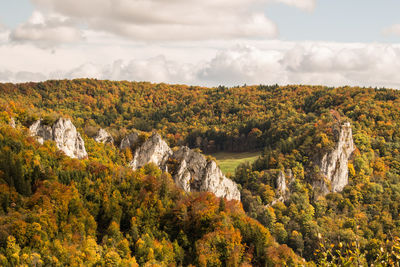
<point x="229" y="161"/>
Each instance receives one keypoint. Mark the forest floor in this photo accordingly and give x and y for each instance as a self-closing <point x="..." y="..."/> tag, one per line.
<point x="229" y="161"/>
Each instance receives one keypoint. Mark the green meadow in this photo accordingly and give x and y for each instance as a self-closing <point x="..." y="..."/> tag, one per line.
<point x="229" y="161"/>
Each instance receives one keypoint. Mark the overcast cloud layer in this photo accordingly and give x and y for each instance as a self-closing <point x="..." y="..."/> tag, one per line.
<point x="184" y="41"/>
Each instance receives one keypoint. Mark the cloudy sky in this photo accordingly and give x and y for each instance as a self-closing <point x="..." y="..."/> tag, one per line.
<point x="203" y="42"/>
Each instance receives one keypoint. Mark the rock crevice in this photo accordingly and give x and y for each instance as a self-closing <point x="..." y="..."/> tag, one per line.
<point x="129" y="141"/>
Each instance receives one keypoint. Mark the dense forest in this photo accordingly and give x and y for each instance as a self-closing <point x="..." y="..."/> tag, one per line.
<point x="96" y="211"/>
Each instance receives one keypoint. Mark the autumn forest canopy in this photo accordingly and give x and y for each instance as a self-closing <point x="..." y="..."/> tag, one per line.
<point x="58" y="211"/>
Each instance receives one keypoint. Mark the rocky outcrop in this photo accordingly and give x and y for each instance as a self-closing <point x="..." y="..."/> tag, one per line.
<point x="190" y="168"/>
<point x="283" y="180"/>
<point x="282" y="185"/>
<point x="154" y="150"/>
<point x="192" y="171"/>
<point x="334" y="164"/>
<point x="41" y="131"/>
<point x="195" y="173"/>
<point x="129" y="141"/>
<point x="102" y="136"/>
<point x="64" y="134"/>
<point x="12" y="122"/>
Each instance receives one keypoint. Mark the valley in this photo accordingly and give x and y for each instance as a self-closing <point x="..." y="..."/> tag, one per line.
<point x="114" y="173"/>
<point x="229" y="161"/>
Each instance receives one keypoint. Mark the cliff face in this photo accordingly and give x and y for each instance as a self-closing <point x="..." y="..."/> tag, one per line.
<point x="102" y="136"/>
<point x="283" y="182"/>
<point x="190" y="169"/>
<point x="153" y="150"/>
<point x="129" y="141"/>
<point x="12" y="122"/>
<point x="192" y="173"/>
<point x="64" y="133"/>
<point x="214" y="181"/>
<point x="41" y="131"/>
<point x="333" y="165"/>
<point x="195" y="173"/>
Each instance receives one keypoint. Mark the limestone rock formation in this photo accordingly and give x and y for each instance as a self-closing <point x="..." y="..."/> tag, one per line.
<point x="333" y="165"/>
<point x="64" y="133"/>
<point x="129" y="141"/>
<point x="191" y="165"/>
<point x="195" y="173"/>
<point x="12" y="122"/>
<point x="155" y="150"/>
<point x="284" y="179"/>
<point x="104" y="137"/>
<point x="41" y="131"/>
<point x="192" y="172"/>
<point x="282" y="186"/>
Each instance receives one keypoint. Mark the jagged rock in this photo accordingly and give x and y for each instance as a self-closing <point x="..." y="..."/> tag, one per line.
<point x="64" y="133"/>
<point x="195" y="173"/>
<point x="129" y="141"/>
<point x="214" y="181"/>
<point x="191" y="166"/>
<point x="41" y="131"/>
<point x="12" y="122"/>
<point x="281" y="187"/>
<point x="104" y="137"/>
<point x="282" y="183"/>
<point x="155" y="150"/>
<point x="334" y="164"/>
<point x="192" y="173"/>
<point x="68" y="139"/>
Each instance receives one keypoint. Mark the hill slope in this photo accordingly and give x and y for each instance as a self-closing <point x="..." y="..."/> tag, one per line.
<point x="294" y="126"/>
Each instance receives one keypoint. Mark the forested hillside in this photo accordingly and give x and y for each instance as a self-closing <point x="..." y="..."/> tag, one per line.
<point x="102" y="212"/>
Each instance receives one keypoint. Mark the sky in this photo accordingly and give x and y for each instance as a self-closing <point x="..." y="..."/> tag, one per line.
<point x="203" y="42"/>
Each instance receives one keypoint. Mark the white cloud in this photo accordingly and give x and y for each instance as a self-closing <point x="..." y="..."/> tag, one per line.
<point x="243" y="64"/>
<point x="46" y="31"/>
<point x="344" y="64"/>
<point x="59" y="22"/>
<point x="155" y="69"/>
<point x="168" y="20"/>
<point x="332" y="64"/>
<point x="196" y="43"/>
<point x="308" y="5"/>
<point x="255" y="62"/>
<point x="392" y="30"/>
<point x="158" y="69"/>
<point x="21" y="76"/>
<point x="4" y="34"/>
